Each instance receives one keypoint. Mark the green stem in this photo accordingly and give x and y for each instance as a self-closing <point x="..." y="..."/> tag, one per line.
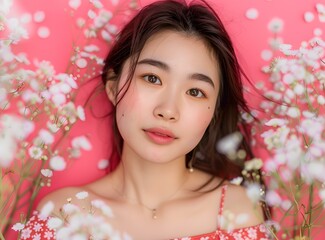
<point x="2" y="237"/>
<point x="310" y="208"/>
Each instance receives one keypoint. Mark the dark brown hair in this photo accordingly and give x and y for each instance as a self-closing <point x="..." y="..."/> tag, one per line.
<point x="199" y="20"/>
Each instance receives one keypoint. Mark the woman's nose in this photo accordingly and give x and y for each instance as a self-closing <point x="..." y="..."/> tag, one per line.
<point x="167" y="109"/>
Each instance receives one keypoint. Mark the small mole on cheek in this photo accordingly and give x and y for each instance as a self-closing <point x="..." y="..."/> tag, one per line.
<point x="208" y="107"/>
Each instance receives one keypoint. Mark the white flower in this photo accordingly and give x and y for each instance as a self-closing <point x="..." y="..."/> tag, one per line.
<point x="8" y="148"/>
<point x="103" y="164"/>
<point x="81" y="63"/>
<point x="286" y="205"/>
<point x="16" y="30"/>
<point x="81" y="113"/>
<point x="47" y="209"/>
<point x="252" y="13"/>
<point x="230" y="143"/>
<point x="315" y="171"/>
<point x="237" y="180"/>
<point x="253" y="164"/>
<point x="321" y="12"/>
<point x="58" y="99"/>
<point x="321" y="99"/>
<point x="312" y="127"/>
<point x="54" y="222"/>
<point x="46" y="68"/>
<point x="70" y="208"/>
<point x="97" y="3"/>
<point x="91" y="14"/>
<point x="35" y="152"/>
<point x="273" y="198"/>
<point x="74" y="4"/>
<point x="103" y="207"/>
<point x="57" y="163"/>
<point x="18" y="226"/>
<point x="91" y="48"/>
<point x="47" y="173"/>
<point x="293" y="112"/>
<point x="53" y="127"/>
<point x="253" y="192"/>
<point x="46" y="136"/>
<point x="321" y="194"/>
<point x="276" y="25"/>
<point x="106" y="36"/>
<point x="82" y="195"/>
<point x="299" y="89"/>
<point x="242" y="218"/>
<point x="81" y="142"/>
<point x="276" y="122"/>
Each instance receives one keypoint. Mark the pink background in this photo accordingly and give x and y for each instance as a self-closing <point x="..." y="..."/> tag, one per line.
<point x="250" y="38"/>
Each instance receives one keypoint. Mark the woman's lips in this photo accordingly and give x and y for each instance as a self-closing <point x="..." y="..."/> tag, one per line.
<point x="160" y="136"/>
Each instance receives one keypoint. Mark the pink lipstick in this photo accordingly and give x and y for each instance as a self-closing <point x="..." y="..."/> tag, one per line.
<point x="160" y="136"/>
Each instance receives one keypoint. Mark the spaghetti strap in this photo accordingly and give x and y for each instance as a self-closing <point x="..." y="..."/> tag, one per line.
<point x="222" y="200"/>
<point x="221" y="205"/>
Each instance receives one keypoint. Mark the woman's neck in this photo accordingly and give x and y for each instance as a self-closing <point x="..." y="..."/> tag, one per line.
<point x="148" y="183"/>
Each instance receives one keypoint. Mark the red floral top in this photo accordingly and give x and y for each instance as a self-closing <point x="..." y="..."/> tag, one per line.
<point x="36" y="229"/>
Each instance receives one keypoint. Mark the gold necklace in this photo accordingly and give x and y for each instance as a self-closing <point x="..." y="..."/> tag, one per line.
<point x="155" y="210"/>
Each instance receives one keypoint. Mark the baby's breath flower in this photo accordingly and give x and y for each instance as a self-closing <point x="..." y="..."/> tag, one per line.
<point x="54" y="222"/>
<point x="47" y="209"/>
<point x="293" y="112"/>
<point x="105" y="209"/>
<point x="74" y="4"/>
<point x="230" y="143"/>
<point x="276" y="25"/>
<point x="81" y="142"/>
<point x="47" y="173"/>
<point x="254" y="164"/>
<point x="70" y="208"/>
<point x="82" y="195"/>
<point x="273" y="198"/>
<point x="103" y="164"/>
<point x="35" y="152"/>
<point x="321" y="194"/>
<point x="46" y="136"/>
<point x="237" y="180"/>
<point x="57" y="163"/>
<point x="81" y="113"/>
<point x="253" y="191"/>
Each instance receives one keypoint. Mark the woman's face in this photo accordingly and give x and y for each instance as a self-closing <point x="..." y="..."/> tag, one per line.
<point x="171" y="99"/>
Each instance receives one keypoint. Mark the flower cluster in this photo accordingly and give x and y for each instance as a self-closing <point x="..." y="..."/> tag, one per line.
<point x="295" y="136"/>
<point x="37" y="104"/>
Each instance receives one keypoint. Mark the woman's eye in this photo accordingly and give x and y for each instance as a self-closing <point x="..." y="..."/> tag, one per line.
<point x="196" y="93"/>
<point x="152" y="79"/>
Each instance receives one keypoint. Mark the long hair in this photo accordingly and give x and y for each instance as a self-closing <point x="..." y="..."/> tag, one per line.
<point x="199" y="20"/>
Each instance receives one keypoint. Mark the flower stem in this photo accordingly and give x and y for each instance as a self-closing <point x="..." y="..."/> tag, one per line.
<point x="310" y="206"/>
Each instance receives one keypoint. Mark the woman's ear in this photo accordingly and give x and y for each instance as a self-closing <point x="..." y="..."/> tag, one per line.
<point x="111" y="86"/>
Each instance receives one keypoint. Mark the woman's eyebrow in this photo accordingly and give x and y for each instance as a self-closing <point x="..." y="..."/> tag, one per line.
<point x="165" y="67"/>
<point x="155" y="63"/>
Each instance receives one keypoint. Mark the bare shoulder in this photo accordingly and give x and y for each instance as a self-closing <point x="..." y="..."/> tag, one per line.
<point x="60" y="197"/>
<point x="237" y="203"/>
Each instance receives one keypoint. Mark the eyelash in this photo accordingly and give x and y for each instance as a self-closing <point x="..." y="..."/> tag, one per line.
<point x="147" y="76"/>
<point x="200" y="92"/>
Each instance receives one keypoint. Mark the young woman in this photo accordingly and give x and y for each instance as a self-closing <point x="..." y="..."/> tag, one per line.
<point x="176" y="85"/>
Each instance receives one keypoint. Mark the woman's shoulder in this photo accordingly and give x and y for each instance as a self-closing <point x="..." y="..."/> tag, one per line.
<point x="77" y="194"/>
<point x="237" y="203"/>
<point x="60" y="197"/>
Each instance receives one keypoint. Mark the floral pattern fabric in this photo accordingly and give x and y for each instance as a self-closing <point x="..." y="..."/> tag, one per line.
<point x="37" y="229"/>
<point x="258" y="232"/>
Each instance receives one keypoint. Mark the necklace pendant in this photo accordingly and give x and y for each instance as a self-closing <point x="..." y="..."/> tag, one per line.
<point x="154" y="214"/>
